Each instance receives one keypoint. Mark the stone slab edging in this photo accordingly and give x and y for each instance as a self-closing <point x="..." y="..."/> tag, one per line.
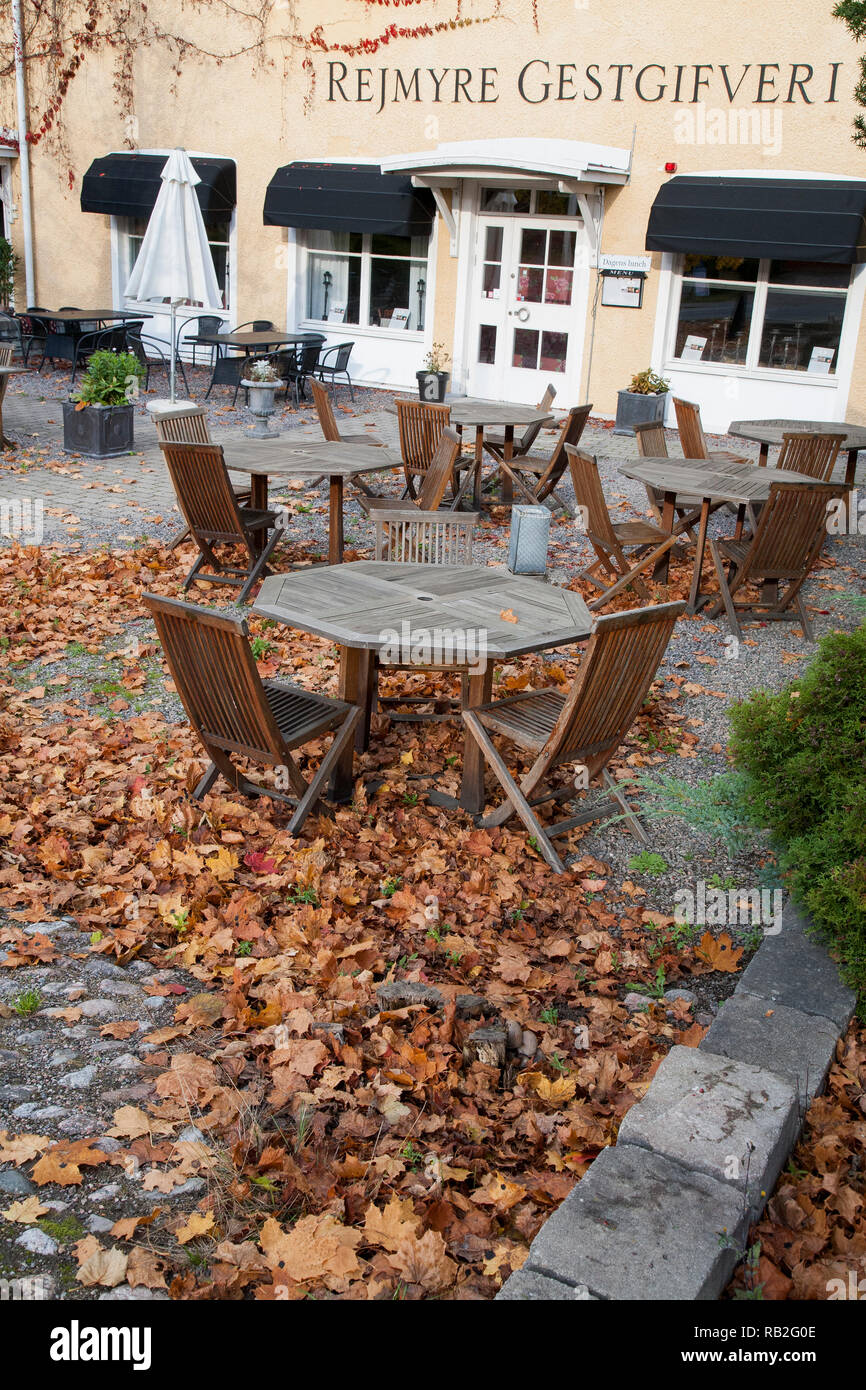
<point x="665" y="1213"/>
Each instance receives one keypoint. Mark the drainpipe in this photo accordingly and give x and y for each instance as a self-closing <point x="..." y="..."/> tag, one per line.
<point x="24" y="151"/>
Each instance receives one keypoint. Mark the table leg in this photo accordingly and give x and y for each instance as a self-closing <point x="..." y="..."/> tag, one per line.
<point x="356" y="688"/>
<point x="696" y="600"/>
<point x="764" y="455"/>
<point x="5" y="442"/>
<point x="259" y="503"/>
<point x="741" y="521"/>
<point x="472" y="783"/>
<point x="335" y="522"/>
<point x="507" y="455"/>
<point x="669" y="517"/>
<point x="850" y="470"/>
<point x="479" y="455"/>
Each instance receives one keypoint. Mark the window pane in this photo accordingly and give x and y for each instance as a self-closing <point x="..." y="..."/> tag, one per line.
<point x="529" y="283"/>
<point x="560" y="250"/>
<point x="557" y="289"/>
<point x="555" y="204"/>
<point x="493" y="244"/>
<point x="394" y="291"/>
<point x="334" y="288"/>
<point x="390" y="245"/>
<point x="492" y="275"/>
<point x="532" y="243"/>
<point x="795" y="324"/>
<point x="505" y="199"/>
<point x="717" y="319"/>
<point x="721" y="268"/>
<point x="335" y="241"/>
<point x="554" y="347"/>
<point x="487" y="343"/>
<point x="220" y="256"/>
<point x="810" y="273"/>
<point x="525" y="348"/>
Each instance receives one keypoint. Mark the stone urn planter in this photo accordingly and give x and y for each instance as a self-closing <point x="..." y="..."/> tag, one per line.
<point x="643" y="402"/>
<point x="97" y="431"/>
<point x="261" y="400"/>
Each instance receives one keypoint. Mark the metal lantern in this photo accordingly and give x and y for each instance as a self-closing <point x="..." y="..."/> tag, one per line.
<point x="530" y="531"/>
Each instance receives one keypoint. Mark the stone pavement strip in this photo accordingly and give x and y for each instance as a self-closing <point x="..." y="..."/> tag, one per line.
<point x="666" y="1213"/>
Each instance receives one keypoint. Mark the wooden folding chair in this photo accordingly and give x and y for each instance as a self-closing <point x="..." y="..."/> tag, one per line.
<point x="547" y="472"/>
<point x="235" y="713"/>
<point x="786" y="543"/>
<point x="522" y="445"/>
<point x="651" y="443"/>
<point x="610" y="540"/>
<point x="433" y="485"/>
<point x="214" y="517"/>
<point x="812" y="454"/>
<point x="586" y="726"/>
<point x="417" y="537"/>
<point x="328" y="421"/>
<point x="692" y="439"/>
<point x="420" y="425"/>
<point x="187" y="424"/>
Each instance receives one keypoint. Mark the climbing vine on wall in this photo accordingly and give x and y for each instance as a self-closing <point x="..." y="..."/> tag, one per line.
<point x="60" y="35"/>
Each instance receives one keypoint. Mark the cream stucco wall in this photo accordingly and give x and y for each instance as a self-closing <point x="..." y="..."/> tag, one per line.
<point x="264" y="108"/>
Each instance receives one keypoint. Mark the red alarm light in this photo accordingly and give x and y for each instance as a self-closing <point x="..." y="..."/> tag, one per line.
<point x="670" y="168"/>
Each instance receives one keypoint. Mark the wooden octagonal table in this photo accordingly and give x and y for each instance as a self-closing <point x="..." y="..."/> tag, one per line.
<point x="365" y="607"/>
<point x="767" y="432"/>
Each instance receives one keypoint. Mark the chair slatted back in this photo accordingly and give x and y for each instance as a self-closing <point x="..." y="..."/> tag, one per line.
<point x="694" y="445"/>
<point x="6" y="351"/>
<point x="590" y="497"/>
<point x="572" y="428"/>
<point x="211" y="663"/>
<point x="421" y="427"/>
<point x="621" y="661"/>
<point x="812" y="454"/>
<point x="531" y="433"/>
<point x="204" y="491"/>
<point x="790" y="532"/>
<point x="186" y="427"/>
<point x="651" y="442"/>
<point x="325" y="412"/>
<point x="440" y="472"/>
<point x="415" y="538"/>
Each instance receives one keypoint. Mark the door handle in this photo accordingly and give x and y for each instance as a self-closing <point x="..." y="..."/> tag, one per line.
<point x="522" y="313"/>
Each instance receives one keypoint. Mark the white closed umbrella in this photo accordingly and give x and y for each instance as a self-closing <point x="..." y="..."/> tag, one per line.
<point x="175" y="261"/>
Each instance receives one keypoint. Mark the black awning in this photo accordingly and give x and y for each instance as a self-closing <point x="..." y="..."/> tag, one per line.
<point x="347" y="198"/>
<point x="127" y="185"/>
<point x="784" y="219"/>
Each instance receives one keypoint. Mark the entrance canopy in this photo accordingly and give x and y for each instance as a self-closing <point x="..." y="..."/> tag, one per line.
<point x="574" y="165"/>
<point x="792" y="217"/>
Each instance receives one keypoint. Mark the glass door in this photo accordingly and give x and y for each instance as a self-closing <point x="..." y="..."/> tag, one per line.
<point x="531" y="281"/>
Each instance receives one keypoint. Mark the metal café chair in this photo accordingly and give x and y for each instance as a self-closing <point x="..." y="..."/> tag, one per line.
<point x="329" y="371"/>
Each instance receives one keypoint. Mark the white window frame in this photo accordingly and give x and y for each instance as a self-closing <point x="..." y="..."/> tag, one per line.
<point x="751" y="368"/>
<point x="303" y="252"/>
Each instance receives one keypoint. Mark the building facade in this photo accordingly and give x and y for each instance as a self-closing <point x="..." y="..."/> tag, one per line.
<point x="554" y="192"/>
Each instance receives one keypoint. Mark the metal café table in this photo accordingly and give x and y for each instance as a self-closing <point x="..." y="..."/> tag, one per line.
<point x="80" y="316"/>
<point x="250" y="341"/>
<point x="767" y="432"/>
<point x="358" y="606"/>
<point x="5" y="374"/>
<point x="469" y="413"/>
<point x="339" y="460"/>
<point x="716" y="485"/>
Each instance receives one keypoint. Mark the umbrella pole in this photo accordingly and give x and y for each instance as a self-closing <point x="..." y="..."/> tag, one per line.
<point x="173" y="349"/>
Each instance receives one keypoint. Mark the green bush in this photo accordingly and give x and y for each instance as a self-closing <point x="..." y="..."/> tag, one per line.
<point x="8" y="266"/>
<point x="111" y="379"/>
<point x="804" y="755"/>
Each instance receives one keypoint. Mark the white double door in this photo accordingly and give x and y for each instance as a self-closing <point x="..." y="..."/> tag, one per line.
<point x="527" y="317"/>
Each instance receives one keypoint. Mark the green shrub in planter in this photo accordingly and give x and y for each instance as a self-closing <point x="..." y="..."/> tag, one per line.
<point x="112" y="378"/>
<point x="804" y="754"/>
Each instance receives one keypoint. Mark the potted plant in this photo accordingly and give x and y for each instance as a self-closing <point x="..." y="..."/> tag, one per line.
<point x="8" y="266"/>
<point x="433" y="379"/>
<point x="97" y="420"/>
<point x="261" y="383"/>
<point x="642" y="403"/>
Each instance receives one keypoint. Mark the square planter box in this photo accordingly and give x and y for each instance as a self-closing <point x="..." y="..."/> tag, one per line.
<point x="635" y="409"/>
<point x="97" y="431"/>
